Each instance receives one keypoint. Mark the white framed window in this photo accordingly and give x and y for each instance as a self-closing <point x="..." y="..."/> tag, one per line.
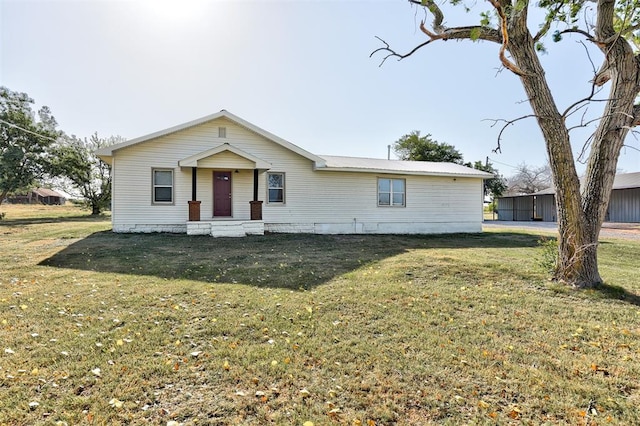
<point x="222" y="132"/>
<point x="275" y="188"/>
<point x="391" y="192"/>
<point x="162" y="186"/>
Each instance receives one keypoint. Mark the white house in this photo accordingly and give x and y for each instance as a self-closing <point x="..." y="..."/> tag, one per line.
<point x="223" y="176"/>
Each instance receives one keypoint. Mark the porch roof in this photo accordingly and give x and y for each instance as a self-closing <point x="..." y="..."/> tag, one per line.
<point x="197" y="160"/>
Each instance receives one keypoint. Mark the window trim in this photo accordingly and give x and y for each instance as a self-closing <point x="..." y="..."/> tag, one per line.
<point x="284" y="189"/>
<point x="391" y="204"/>
<point x="154" y="186"/>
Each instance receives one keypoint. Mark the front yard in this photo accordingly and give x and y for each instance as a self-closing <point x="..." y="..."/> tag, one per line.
<point x="101" y="328"/>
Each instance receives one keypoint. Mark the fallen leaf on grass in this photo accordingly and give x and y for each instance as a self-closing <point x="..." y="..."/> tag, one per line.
<point x="514" y="414"/>
<point x="483" y="404"/>
<point x="116" y="403"/>
<point x="597" y="369"/>
<point x="96" y="372"/>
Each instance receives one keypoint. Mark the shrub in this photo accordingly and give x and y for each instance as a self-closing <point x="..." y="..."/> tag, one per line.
<point x="548" y="257"/>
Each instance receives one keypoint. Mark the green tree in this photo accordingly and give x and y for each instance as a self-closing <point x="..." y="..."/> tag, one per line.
<point x="613" y="27"/>
<point x="24" y="141"/>
<point x="494" y="186"/>
<point x="74" y="161"/>
<point x="422" y="148"/>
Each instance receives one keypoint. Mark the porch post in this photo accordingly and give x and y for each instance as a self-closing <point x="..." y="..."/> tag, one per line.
<point x="194" y="206"/>
<point x="194" y="182"/>
<point x="255" y="184"/>
<point x="256" y="206"/>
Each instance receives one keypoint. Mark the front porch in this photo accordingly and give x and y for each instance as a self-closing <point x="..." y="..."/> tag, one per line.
<point x="227" y="188"/>
<point x="226" y="228"/>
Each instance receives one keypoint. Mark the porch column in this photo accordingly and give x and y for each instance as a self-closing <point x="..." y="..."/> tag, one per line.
<point x="256" y="206"/>
<point x="194" y="206"/>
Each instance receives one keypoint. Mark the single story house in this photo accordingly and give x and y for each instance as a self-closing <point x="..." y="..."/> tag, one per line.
<point x="38" y="196"/>
<point x="624" y="205"/>
<point x="223" y="176"/>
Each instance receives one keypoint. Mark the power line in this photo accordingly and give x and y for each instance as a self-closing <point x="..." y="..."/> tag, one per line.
<point x="503" y="164"/>
<point x="27" y="130"/>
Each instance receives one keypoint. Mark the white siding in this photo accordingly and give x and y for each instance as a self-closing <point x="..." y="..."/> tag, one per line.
<point x="316" y="201"/>
<point x="351" y="200"/>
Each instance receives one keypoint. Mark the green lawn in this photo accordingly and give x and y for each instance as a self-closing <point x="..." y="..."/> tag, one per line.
<point x="101" y="328"/>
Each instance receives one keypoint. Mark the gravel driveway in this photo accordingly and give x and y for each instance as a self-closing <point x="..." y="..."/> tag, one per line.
<point x="625" y="231"/>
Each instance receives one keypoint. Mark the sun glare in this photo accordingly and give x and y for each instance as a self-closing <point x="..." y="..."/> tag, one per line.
<point x="174" y="10"/>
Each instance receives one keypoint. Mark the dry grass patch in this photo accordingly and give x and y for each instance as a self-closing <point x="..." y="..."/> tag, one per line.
<point x="100" y="328"/>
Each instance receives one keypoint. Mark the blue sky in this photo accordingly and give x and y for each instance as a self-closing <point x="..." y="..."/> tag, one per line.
<point x="299" y="69"/>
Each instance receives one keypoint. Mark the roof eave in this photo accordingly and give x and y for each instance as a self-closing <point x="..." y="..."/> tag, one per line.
<point x="403" y="172"/>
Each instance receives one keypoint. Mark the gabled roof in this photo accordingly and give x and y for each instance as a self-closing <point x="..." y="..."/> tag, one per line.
<point x="377" y="165"/>
<point x="46" y="192"/>
<point x="109" y="150"/>
<point x="324" y="162"/>
<point x="192" y="161"/>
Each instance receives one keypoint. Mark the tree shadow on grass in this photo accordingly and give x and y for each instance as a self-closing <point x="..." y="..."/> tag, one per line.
<point x="614" y="292"/>
<point x="294" y="261"/>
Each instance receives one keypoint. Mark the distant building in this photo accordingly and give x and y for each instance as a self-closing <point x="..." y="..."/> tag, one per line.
<point x="38" y="196"/>
<point x="624" y="205"/>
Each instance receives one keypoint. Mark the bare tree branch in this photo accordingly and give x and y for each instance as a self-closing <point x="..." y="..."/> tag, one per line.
<point x="498" y="148"/>
<point x="392" y="53"/>
<point x="440" y="32"/>
<point x="594" y="83"/>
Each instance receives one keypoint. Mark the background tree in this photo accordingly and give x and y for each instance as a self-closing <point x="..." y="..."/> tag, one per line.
<point x="529" y="179"/>
<point x="495" y="186"/>
<point x="81" y="171"/>
<point x="613" y="27"/>
<point x="423" y="148"/>
<point x="24" y="141"/>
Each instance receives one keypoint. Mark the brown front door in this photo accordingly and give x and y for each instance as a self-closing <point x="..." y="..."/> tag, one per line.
<point x="222" y="194"/>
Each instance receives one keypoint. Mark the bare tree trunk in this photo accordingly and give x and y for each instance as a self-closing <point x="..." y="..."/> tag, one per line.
<point x="577" y="251"/>
<point x="581" y="208"/>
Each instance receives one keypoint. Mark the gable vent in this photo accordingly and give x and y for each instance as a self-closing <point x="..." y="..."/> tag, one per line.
<point x="222" y="132"/>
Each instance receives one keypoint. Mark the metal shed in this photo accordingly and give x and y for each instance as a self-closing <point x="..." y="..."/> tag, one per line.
<point x="624" y="205"/>
<point x="516" y="207"/>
